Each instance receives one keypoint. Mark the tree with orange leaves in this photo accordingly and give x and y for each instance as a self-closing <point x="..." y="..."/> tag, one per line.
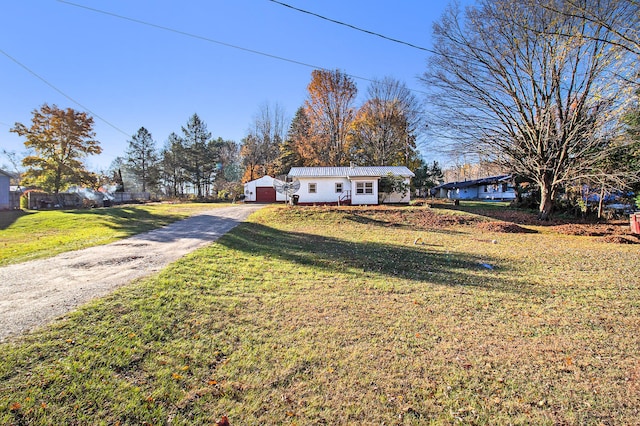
<point x="60" y="139"/>
<point x="329" y="108"/>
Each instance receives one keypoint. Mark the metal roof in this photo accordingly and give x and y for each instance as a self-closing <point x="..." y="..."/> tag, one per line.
<point x="356" y="171"/>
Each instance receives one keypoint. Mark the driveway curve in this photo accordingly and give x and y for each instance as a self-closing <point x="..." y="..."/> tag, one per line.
<point x="34" y="293"/>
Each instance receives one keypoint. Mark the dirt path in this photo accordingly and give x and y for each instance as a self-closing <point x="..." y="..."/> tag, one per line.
<point x="35" y="293"/>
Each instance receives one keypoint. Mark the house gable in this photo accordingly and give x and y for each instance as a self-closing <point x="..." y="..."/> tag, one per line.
<point x="262" y="190"/>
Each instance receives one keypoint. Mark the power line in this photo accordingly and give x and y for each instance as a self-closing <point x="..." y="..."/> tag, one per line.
<point x="354" y="27"/>
<point x="33" y="73"/>
<point x="210" y="40"/>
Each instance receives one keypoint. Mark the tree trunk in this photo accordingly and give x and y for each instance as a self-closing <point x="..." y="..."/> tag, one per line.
<point x="601" y="203"/>
<point x="546" y="199"/>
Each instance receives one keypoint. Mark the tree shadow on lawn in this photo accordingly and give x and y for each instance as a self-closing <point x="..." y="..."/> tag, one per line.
<point x="362" y="218"/>
<point x="410" y="262"/>
<point x="9" y="217"/>
<point x="129" y="220"/>
<point x="514" y="215"/>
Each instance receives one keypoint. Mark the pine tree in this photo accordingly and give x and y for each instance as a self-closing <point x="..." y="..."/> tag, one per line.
<point x="142" y="159"/>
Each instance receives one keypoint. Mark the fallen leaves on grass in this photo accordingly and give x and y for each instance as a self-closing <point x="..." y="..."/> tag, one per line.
<point x="224" y="421"/>
<point x="620" y="239"/>
<point x="504" y="227"/>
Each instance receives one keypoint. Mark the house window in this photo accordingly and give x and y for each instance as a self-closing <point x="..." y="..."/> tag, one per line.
<point x="504" y="187"/>
<point x="312" y="188"/>
<point x="368" y="187"/>
<point x="338" y="187"/>
<point x="364" y="187"/>
<point x="486" y="188"/>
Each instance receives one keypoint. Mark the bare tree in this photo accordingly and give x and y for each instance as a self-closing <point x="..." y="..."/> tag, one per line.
<point x="511" y="86"/>
<point x="386" y="127"/>
<point x="620" y="18"/>
<point x="261" y="147"/>
<point x="269" y="129"/>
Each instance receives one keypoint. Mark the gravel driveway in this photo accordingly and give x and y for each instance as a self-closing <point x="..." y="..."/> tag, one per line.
<point x="35" y="293"/>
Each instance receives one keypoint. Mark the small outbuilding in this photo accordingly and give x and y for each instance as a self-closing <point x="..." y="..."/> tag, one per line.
<point x="5" y="182"/>
<point x="262" y="191"/>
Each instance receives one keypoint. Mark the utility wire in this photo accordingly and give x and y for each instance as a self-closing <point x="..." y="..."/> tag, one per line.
<point x="33" y="73"/>
<point x="210" y="40"/>
<point x="354" y="27"/>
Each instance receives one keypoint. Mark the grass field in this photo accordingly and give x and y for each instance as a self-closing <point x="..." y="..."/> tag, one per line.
<point x="28" y="235"/>
<point x="350" y="316"/>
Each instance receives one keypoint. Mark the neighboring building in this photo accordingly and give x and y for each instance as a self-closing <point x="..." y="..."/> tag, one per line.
<point x="346" y="185"/>
<point x="5" y="178"/>
<point x="489" y="188"/>
<point x="262" y="191"/>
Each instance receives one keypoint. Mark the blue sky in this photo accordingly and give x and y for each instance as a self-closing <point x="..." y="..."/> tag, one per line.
<point x="134" y="75"/>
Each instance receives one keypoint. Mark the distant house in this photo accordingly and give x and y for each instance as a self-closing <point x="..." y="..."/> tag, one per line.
<point x="262" y="191"/>
<point x="489" y="188"/>
<point x="347" y="185"/>
<point x="5" y="178"/>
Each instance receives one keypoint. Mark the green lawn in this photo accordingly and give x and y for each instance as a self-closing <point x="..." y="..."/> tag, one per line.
<point x="27" y="235"/>
<point x="349" y="316"/>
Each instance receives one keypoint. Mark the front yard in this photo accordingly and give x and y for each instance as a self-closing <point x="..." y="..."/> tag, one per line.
<point x="378" y="315"/>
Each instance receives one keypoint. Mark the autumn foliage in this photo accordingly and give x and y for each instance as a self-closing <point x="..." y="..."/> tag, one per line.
<point x="60" y="139"/>
<point x="329" y="130"/>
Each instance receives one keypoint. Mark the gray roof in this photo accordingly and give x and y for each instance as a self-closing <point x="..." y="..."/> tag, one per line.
<point x="476" y="182"/>
<point x="2" y="172"/>
<point x="357" y="171"/>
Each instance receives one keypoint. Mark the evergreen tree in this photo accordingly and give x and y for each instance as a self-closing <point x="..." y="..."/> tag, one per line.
<point x="201" y="156"/>
<point x="172" y="166"/>
<point x="426" y="177"/>
<point x="142" y="159"/>
<point x="297" y="136"/>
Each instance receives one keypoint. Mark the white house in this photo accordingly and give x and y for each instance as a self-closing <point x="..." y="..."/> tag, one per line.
<point x="347" y="185"/>
<point x="262" y="191"/>
<point x="489" y="188"/>
<point x="5" y="178"/>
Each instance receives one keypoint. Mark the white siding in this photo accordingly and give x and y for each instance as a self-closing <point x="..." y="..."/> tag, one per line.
<point x="264" y="181"/>
<point x="326" y="178"/>
<point x="325" y="189"/>
<point x="359" y="199"/>
<point x="495" y="192"/>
